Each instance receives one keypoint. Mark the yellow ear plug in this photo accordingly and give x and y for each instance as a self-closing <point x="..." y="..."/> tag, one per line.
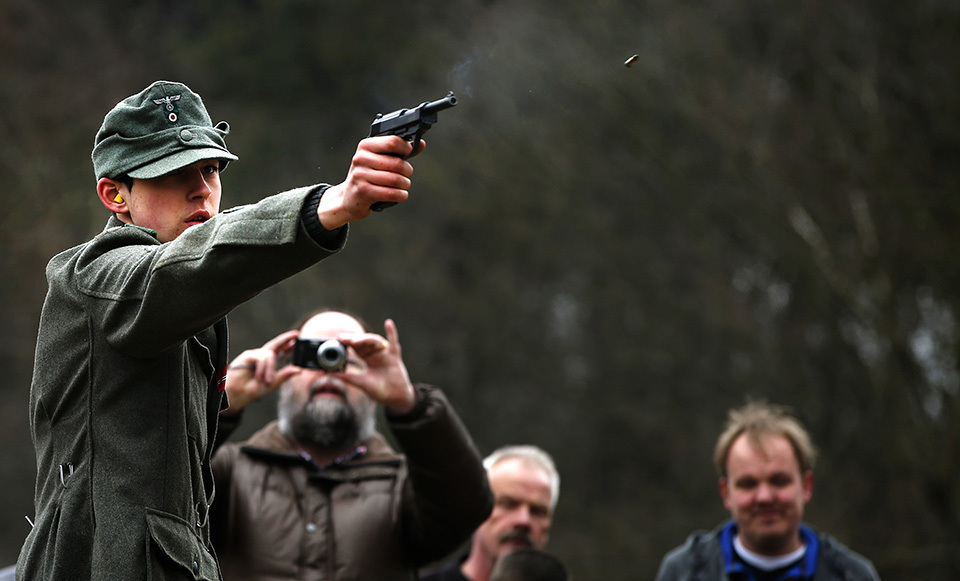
<point x="118" y="199"/>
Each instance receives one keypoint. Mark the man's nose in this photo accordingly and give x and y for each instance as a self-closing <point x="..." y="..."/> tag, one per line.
<point x="199" y="187"/>
<point x="765" y="493"/>
<point x="522" y="515"/>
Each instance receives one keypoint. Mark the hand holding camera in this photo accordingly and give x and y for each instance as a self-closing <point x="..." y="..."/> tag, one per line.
<point x="384" y="378"/>
<point x="365" y="361"/>
<point x="254" y="374"/>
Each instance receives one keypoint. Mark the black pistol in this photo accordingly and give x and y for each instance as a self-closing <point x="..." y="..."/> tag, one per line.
<point x="410" y="124"/>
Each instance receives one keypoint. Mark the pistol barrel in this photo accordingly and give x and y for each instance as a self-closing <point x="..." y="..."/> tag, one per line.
<point x="440" y="104"/>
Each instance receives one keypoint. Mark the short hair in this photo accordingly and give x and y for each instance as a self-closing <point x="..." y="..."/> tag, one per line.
<point x="532" y="456"/>
<point x="758" y="419"/>
<point x="125" y="180"/>
<point x="528" y="565"/>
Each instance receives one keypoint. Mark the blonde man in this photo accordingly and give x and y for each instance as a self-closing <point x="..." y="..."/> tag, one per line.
<point x="765" y="460"/>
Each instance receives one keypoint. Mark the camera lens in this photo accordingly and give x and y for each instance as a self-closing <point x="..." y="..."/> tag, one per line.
<point x="332" y="355"/>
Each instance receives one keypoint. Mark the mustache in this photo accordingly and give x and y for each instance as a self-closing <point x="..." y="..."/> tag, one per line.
<point x="328" y="385"/>
<point x="520" y="535"/>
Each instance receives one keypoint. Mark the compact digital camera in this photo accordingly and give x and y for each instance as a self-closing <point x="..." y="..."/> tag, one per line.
<point x="326" y="354"/>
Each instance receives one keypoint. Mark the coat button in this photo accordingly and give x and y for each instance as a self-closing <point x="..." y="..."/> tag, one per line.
<point x="311" y="528"/>
<point x="196" y="568"/>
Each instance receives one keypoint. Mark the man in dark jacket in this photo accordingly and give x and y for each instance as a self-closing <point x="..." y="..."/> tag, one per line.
<point x="132" y="346"/>
<point x="319" y="494"/>
<point x="526" y="488"/>
<point x="765" y="460"/>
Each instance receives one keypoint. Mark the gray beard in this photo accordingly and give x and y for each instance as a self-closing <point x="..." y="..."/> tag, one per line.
<point x="324" y="422"/>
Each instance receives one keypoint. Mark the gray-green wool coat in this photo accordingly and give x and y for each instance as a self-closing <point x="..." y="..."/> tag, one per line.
<point x="126" y="388"/>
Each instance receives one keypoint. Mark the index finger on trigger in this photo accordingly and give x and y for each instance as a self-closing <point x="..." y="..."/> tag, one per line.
<point x="387" y="144"/>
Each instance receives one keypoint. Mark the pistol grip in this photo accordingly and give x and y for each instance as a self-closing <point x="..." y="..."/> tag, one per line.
<point x="381" y="206"/>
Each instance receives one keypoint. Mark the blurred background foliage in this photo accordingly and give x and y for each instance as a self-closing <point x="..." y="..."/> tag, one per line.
<point x="597" y="259"/>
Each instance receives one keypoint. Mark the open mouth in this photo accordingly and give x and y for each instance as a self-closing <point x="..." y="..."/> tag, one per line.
<point x="198" y="218"/>
<point x="327" y="390"/>
<point x="515" y="542"/>
<point x="517" y="539"/>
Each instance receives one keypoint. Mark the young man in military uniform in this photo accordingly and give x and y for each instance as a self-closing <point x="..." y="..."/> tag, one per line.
<point x="132" y="345"/>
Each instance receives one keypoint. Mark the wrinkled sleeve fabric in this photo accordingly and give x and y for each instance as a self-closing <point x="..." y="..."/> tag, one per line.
<point x="447" y="494"/>
<point x="150" y="296"/>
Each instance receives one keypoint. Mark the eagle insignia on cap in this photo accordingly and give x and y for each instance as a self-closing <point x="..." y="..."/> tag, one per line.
<point x="167" y="103"/>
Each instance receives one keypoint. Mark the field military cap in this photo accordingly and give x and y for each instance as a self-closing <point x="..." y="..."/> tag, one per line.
<point x="159" y="130"/>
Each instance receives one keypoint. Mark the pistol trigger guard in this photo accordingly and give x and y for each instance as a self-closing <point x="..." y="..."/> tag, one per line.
<point x="416" y="143"/>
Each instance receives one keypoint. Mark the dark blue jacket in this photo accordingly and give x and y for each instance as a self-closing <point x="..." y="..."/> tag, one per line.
<point x="708" y="557"/>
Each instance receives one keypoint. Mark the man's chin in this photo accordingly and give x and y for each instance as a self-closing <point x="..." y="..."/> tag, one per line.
<point x="767" y="540"/>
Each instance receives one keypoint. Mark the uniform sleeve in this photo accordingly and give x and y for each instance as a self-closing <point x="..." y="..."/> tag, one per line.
<point x="150" y="296"/>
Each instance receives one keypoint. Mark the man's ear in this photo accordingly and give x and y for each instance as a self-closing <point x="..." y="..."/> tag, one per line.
<point x="724" y="488"/>
<point x="111" y="194"/>
<point x="807" y="484"/>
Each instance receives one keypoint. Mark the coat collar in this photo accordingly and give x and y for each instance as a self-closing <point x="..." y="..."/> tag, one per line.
<point x="268" y="442"/>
